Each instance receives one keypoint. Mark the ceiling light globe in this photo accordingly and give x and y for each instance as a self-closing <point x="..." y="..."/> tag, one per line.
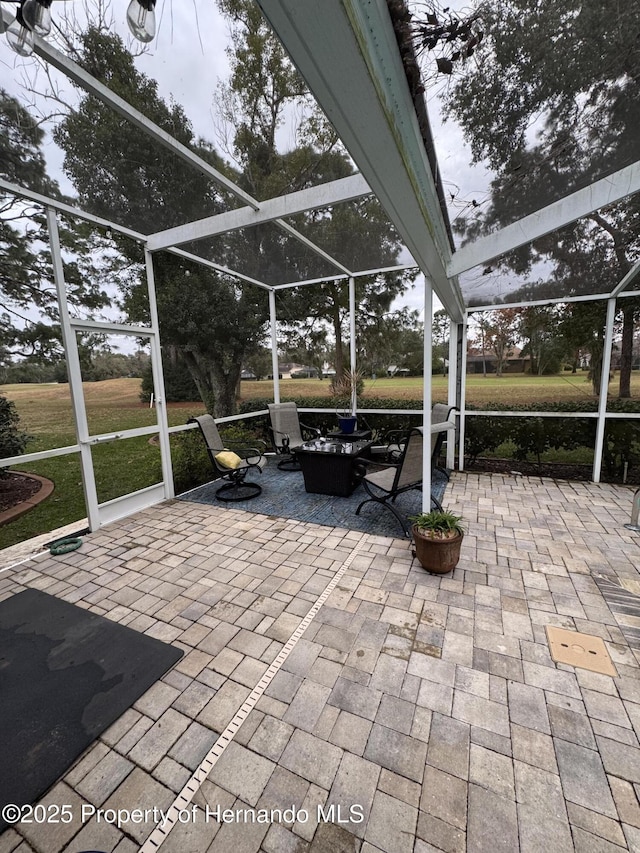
<point x="20" y="38"/>
<point x="37" y="16"/>
<point x="142" y="19"/>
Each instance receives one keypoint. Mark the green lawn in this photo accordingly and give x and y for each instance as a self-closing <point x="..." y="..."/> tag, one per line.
<point x="481" y="390"/>
<point x="124" y="466"/>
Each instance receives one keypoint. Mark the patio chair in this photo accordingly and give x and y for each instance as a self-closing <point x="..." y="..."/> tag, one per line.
<point x="384" y="486"/>
<point x="232" y="467"/>
<point x="286" y="431"/>
<point x="440" y="423"/>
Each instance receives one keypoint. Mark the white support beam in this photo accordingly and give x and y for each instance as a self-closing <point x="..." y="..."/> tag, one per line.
<point x="111" y="328"/>
<point x="312" y="198"/>
<point x="344" y="277"/>
<point x="626" y="281"/>
<point x="452" y="385"/>
<point x="75" y="375"/>
<point x="374" y="115"/>
<point x="83" y="79"/>
<point x="78" y="213"/>
<point x="274" y="346"/>
<point x="158" y="381"/>
<point x="427" y="369"/>
<point x="606" y="191"/>
<point x="61" y="207"/>
<point x="352" y="343"/>
<point x="196" y="259"/>
<point x="604" y="389"/>
<point x="463" y="396"/>
<point x="557" y="300"/>
<point x="289" y="229"/>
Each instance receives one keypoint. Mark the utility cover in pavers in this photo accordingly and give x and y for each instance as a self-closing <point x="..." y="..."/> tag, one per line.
<point x="583" y="650"/>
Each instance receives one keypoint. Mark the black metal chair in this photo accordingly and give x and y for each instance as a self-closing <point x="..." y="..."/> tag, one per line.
<point x="286" y="431"/>
<point x="228" y="468"/>
<point x="384" y="485"/>
<point x="441" y="422"/>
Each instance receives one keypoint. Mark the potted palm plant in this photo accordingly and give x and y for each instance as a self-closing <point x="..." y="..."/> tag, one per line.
<point x="437" y="536"/>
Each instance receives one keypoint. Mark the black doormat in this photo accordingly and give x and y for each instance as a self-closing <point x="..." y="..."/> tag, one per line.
<point x="66" y="674"/>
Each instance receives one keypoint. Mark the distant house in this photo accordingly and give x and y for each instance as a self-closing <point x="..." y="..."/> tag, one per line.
<point x="394" y="370"/>
<point x="515" y="363"/>
<point x="293" y="370"/>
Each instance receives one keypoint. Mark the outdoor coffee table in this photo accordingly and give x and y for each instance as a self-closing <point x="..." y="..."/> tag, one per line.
<point x="331" y="467"/>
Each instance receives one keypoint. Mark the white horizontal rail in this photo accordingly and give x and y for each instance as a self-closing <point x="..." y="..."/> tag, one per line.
<point x="27" y="458"/>
<point x="225" y="420"/>
<point x="101" y="438"/>
<point x="498" y="414"/>
<point x="114" y="328"/>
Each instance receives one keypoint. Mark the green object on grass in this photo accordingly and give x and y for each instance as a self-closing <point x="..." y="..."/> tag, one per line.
<point x="65" y="546"/>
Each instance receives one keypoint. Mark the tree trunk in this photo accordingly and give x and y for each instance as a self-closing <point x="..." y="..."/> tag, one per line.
<point x="216" y="388"/>
<point x="624" y="265"/>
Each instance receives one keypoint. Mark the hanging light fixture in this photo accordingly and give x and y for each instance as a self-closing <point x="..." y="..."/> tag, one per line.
<point x="34" y="18"/>
<point x="141" y="18"/>
<point x="37" y="16"/>
<point x="19" y="35"/>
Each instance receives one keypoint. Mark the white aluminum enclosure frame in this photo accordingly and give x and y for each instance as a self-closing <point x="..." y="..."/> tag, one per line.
<point x="103" y="513"/>
<point x="329" y="42"/>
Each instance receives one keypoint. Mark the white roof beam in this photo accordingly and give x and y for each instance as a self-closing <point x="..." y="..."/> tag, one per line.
<point x="374" y="115"/>
<point x="606" y="191"/>
<point x="556" y="300"/>
<point x="72" y="70"/>
<point x="344" y="277"/>
<point x="58" y="60"/>
<point x="78" y="213"/>
<point x="312" y="198"/>
<point x="61" y="207"/>
<point x="628" y="278"/>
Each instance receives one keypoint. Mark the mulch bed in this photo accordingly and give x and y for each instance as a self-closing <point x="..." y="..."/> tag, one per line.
<point x="15" y="489"/>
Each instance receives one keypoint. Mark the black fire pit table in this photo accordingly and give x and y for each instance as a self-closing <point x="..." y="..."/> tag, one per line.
<point x="331" y="467"/>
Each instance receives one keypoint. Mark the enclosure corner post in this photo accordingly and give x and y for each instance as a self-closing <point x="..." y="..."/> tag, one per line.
<point x="604" y="389"/>
<point x="352" y="344"/>
<point x="452" y="389"/>
<point x="462" y="388"/>
<point x="275" y="367"/>
<point x="158" y="381"/>
<point x="426" y="392"/>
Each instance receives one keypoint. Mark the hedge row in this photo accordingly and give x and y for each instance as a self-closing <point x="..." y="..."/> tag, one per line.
<point x="530" y="436"/>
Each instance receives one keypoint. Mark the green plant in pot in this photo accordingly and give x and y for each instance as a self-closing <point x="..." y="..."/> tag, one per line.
<point x="437" y="536"/>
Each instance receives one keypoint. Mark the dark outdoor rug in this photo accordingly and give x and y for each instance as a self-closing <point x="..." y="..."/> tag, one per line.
<point x="283" y="495"/>
<point x="65" y="675"/>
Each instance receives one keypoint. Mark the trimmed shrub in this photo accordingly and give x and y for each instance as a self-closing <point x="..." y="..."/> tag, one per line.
<point x="13" y="440"/>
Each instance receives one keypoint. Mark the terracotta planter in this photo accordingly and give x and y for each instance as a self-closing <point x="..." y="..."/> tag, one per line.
<point x="438" y="556"/>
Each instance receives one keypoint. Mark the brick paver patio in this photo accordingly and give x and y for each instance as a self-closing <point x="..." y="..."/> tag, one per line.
<point x="415" y="713"/>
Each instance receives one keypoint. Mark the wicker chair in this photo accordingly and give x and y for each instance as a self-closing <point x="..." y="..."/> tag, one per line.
<point x="235" y="487"/>
<point x="286" y="433"/>
<point x="384" y="486"/>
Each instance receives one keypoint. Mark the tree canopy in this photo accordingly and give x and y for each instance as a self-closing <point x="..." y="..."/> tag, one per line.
<point x="550" y="101"/>
<point x="28" y="305"/>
